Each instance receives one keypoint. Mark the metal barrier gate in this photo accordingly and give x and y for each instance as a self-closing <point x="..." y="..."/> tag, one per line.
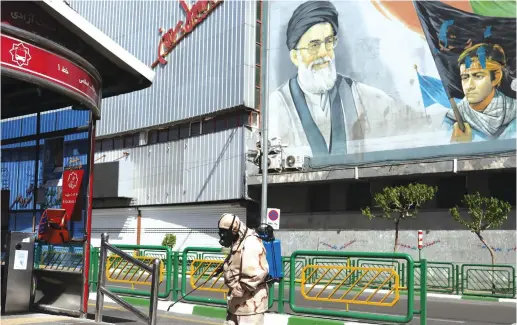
<point x="102" y="290"/>
<point x="376" y="285"/>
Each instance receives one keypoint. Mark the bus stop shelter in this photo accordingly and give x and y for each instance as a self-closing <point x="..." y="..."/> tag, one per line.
<point x="56" y="68"/>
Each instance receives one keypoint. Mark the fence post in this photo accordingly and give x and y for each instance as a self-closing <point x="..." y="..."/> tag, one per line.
<point x="423" y="291"/>
<point x="281" y="288"/>
<point x="457" y="279"/>
<point x="155" y="286"/>
<point x="94" y="269"/>
<point x="175" y="274"/>
<point x="102" y="278"/>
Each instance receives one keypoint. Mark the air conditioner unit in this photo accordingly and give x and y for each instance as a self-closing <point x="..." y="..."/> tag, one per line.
<point x="275" y="142"/>
<point x="274" y="163"/>
<point x="293" y="160"/>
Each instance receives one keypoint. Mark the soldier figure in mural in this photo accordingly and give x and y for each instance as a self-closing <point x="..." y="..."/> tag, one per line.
<point x="319" y="109"/>
<point x="245" y="272"/>
<point x="487" y="112"/>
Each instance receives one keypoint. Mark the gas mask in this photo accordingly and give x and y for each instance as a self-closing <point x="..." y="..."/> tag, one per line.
<point x="227" y="237"/>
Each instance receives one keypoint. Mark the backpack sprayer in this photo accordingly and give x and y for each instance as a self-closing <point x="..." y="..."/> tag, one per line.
<point x="273" y="252"/>
<point x="273" y="257"/>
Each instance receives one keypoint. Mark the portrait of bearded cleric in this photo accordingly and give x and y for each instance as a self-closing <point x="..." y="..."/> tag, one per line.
<point x="318" y="110"/>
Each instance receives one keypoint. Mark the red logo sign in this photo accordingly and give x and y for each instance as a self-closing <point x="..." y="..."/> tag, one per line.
<point x="20" y="54"/>
<point x="17" y="54"/>
<point x="72" y="199"/>
<point x="195" y="15"/>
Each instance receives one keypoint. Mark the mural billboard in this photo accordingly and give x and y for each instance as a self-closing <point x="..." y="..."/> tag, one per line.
<point x="348" y="79"/>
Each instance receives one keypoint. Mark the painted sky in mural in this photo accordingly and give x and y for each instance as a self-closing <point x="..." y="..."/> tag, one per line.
<point x="350" y="77"/>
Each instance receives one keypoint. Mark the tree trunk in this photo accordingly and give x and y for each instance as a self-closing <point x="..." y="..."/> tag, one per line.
<point x="396" y="236"/>
<point x="492" y="255"/>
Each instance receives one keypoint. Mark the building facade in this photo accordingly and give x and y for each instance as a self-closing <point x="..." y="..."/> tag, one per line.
<point x="401" y="84"/>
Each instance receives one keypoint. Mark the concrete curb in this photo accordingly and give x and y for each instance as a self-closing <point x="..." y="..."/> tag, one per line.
<point x="220" y="313"/>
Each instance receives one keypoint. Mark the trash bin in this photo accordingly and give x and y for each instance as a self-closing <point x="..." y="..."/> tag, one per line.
<point x="17" y="279"/>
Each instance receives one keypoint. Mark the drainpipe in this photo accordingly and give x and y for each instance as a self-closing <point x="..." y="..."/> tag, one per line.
<point x="138" y="225"/>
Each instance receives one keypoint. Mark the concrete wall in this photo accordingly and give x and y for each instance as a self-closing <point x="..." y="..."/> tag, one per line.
<point x="444" y="239"/>
<point x="342" y="227"/>
<point x="457" y="246"/>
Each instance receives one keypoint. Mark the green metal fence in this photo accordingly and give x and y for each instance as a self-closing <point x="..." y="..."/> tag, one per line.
<point x="359" y="273"/>
<point x="307" y="270"/>
<point x="488" y="280"/>
<point x="441" y="277"/>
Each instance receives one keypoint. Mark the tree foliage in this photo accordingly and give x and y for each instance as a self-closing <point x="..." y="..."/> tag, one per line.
<point x="485" y="213"/>
<point x="400" y="202"/>
<point x="169" y="240"/>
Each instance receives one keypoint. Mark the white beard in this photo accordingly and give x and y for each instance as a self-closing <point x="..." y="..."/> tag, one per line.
<point x="317" y="81"/>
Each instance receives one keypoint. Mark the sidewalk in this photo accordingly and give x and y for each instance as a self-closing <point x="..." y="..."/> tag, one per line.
<point x="38" y="318"/>
<point x="220" y="313"/>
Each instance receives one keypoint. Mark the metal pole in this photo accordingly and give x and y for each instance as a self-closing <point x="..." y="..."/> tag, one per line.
<point x="102" y="278"/>
<point x="155" y="286"/>
<point x="36" y="173"/>
<point x="264" y="118"/>
<point x="423" y="292"/>
<point x="88" y="221"/>
<point x="265" y="149"/>
<point x="420" y="243"/>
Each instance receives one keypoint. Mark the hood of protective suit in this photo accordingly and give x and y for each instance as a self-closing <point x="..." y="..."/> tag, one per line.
<point x="237" y="227"/>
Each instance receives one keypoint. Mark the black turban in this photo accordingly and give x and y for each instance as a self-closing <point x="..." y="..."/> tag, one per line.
<point x="307" y="15"/>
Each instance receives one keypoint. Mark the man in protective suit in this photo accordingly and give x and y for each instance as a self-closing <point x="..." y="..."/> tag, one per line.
<point x="245" y="272"/>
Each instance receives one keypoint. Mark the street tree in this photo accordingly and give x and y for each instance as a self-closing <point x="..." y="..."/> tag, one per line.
<point x="169" y="240"/>
<point x="485" y="213"/>
<point x="398" y="203"/>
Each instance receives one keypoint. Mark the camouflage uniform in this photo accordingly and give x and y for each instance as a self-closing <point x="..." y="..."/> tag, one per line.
<point x="245" y="274"/>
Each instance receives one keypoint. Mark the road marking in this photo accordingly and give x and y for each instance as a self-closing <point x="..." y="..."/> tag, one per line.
<point x="443" y="320"/>
<point x="165" y="316"/>
<point x="439" y="295"/>
<point x="33" y="320"/>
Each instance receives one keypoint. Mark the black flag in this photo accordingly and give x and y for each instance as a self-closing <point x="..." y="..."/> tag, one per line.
<point x="449" y="31"/>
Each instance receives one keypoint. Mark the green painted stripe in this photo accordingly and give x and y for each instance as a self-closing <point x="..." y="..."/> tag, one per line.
<point x="312" y="321"/>
<point x="144" y="302"/>
<point x="479" y="298"/>
<point x="209" y="311"/>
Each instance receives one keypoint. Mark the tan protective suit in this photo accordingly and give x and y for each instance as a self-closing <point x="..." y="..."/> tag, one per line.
<point x="245" y="274"/>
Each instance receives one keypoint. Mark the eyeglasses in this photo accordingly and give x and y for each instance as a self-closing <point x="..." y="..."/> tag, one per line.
<point x="314" y="46"/>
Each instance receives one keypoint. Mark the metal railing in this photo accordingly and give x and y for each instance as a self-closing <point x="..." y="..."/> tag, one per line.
<point x="102" y="290"/>
<point x="358" y="285"/>
<point x="341" y="284"/>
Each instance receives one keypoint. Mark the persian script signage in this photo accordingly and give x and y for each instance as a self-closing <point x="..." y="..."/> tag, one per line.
<point x="33" y="60"/>
<point x="72" y="199"/>
<point x="194" y="16"/>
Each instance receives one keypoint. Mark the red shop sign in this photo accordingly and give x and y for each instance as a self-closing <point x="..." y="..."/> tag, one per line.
<point x="195" y="15"/>
<point x="72" y="200"/>
<point x="33" y="60"/>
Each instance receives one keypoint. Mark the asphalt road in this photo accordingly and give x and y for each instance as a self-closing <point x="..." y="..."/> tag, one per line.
<point x="440" y="311"/>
